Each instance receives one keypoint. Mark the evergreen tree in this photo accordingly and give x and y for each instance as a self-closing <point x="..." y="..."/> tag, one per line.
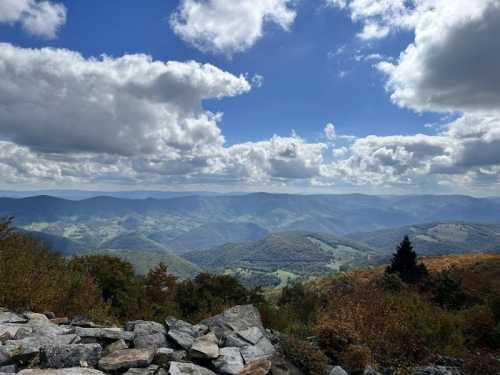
<point x="404" y="263"/>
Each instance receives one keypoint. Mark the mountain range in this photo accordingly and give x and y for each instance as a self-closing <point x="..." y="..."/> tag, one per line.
<point x="259" y="236"/>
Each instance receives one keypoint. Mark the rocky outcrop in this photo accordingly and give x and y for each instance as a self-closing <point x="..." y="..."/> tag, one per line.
<point x="234" y="342"/>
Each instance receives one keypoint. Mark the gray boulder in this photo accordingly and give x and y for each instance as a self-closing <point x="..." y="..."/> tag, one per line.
<point x="205" y="347"/>
<point x="251" y="335"/>
<point x="179" y="368"/>
<point x="182" y="339"/>
<point x="230" y="361"/>
<point x="236" y="319"/>
<point x="29" y="347"/>
<point x="148" y="328"/>
<point x="127" y="358"/>
<point x="105" y="333"/>
<point x="262" y="350"/>
<point x="9" y="369"/>
<point x="63" y="356"/>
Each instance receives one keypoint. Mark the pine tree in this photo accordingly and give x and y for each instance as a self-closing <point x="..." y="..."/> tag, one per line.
<point x="404" y="263"/>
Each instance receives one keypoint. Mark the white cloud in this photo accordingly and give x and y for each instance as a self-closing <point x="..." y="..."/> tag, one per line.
<point x="330" y="132"/>
<point x="453" y="63"/>
<point x="228" y="26"/>
<point x="128" y="120"/>
<point x="40" y="18"/>
<point x="57" y="101"/>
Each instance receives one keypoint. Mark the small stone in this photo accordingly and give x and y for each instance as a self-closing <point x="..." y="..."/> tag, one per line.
<point x="66" y="371"/>
<point x="10" y="369"/>
<point x="151" y="370"/>
<point x="178" y="368"/>
<point x="183" y="339"/>
<point x="10" y="317"/>
<point x="127" y="358"/>
<point x="155" y="340"/>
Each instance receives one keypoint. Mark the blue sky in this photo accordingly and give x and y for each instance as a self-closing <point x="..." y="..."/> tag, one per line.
<point x="302" y="87"/>
<point x="317" y="69"/>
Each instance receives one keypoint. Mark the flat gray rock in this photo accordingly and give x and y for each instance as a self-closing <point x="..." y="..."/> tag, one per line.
<point x="10" y="317"/>
<point x="230" y="361"/>
<point x="30" y="346"/>
<point x="164" y="356"/>
<point x="127" y="358"/>
<point x="151" y="370"/>
<point x="252" y="335"/>
<point x="264" y="349"/>
<point x="178" y="368"/>
<point x="105" y="333"/>
<point x="63" y="356"/>
<point x="205" y="347"/>
<point x="182" y="339"/>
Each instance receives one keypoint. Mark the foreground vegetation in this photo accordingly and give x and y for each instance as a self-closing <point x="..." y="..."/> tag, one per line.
<point x="406" y="315"/>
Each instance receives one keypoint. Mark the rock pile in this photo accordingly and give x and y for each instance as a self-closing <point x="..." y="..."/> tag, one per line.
<point x="234" y="342"/>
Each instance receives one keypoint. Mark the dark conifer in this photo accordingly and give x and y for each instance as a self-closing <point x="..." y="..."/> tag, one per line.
<point x="404" y="263"/>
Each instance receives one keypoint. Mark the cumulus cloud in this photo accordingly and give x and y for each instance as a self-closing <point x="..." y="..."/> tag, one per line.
<point x="226" y="26"/>
<point x="40" y="18"/>
<point x="453" y="63"/>
<point x="57" y="101"/>
<point x="129" y="120"/>
<point x="465" y="150"/>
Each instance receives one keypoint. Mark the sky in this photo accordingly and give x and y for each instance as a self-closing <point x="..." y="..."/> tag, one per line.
<point x="331" y="96"/>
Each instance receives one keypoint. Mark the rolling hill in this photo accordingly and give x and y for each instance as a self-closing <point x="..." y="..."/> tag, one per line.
<point x="437" y="238"/>
<point x="283" y="256"/>
<point x="143" y="261"/>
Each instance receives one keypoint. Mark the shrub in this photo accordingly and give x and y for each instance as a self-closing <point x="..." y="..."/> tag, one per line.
<point x="305" y="355"/>
<point x="356" y="358"/>
<point x="36" y="279"/>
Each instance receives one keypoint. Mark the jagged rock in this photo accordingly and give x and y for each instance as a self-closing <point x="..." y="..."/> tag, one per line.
<point x="113" y="347"/>
<point x="66" y="371"/>
<point x="184" y="340"/>
<point x="437" y="370"/>
<point x="63" y="356"/>
<point x="29" y="347"/>
<point x="127" y="358"/>
<point x="236" y="319"/>
<point x="252" y="335"/>
<point x="179" y="368"/>
<point x="337" y="370"/>
<point x="105" y="333"/>
<point x="205" y="347"/>
<point x="164" y="356"/>
<point x="233" y="340"/>
<point x="200" y="329"/>
<point x="230" y="361"/>
<point x="156" y="340"/>
<point x="260" y="367"/>
<point x="10" y="317"/>
<point x="262" y="350"/>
